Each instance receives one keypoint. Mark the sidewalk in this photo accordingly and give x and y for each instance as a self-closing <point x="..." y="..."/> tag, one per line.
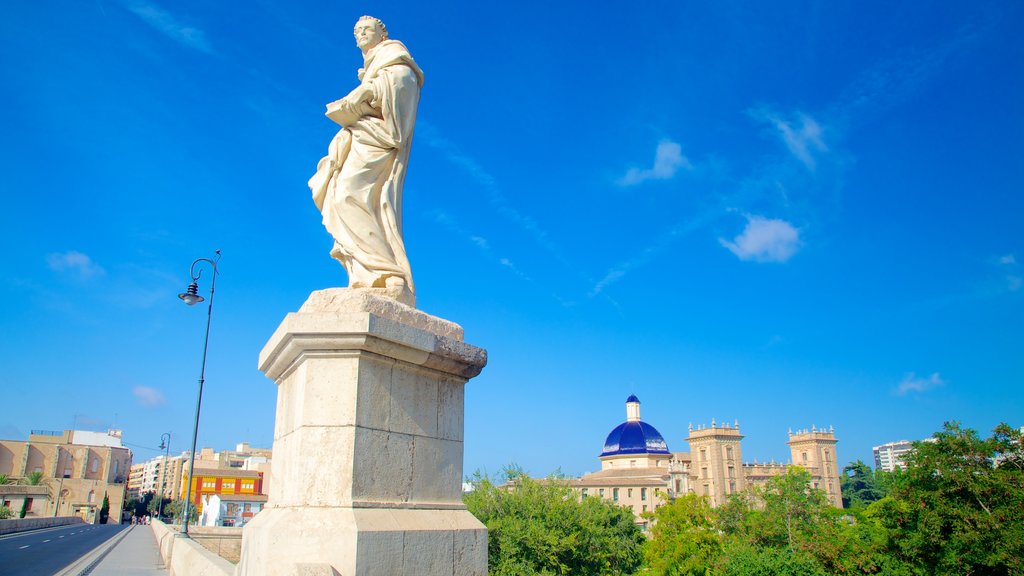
<point x="135" y="555"/>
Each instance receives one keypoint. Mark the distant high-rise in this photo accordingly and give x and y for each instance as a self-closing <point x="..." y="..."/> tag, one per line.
<point x="889" y="456"/>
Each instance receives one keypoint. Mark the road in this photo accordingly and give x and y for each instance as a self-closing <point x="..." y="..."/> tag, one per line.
<point x="45" y="552"/>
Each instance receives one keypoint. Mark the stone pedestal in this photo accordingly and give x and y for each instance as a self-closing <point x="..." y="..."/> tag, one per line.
<point x="368" y="443"/>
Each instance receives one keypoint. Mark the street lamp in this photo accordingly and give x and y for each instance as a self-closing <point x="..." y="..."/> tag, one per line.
<point x="191" y="296"/>
<point x="166" y="445"/>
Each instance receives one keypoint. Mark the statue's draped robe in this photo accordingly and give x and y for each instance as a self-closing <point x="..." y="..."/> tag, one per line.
<point x="358" y="185"/>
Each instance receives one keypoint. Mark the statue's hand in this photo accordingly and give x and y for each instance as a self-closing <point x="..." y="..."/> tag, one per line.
<point x="342" y="112"/>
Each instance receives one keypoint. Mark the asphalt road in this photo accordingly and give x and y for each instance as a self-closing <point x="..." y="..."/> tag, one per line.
<point x="45" y="552"/>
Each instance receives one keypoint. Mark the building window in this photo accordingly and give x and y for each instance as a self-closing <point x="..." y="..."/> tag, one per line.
<point x="94" y="465"/>
<point x="645" y="507"/>
<point x="92" y="497"/>
<point x="804" y="456"/>
<point x="679" y="486"/>
<point x="704" y="472"/>
<point x="28" y="504"/>
<point x="706" y="490"/>
<point x="615" y="494"/>
<point x="703" y="455"/>
<point x="632" y="463"/>
<point x="732" y="487"/>
<point x="584" y="492"/>
<point x="629" y="492"/>
<point x="728" y="452"/>
<point x="600" y="492"/>
<point x="732" y="472"/>
<point x="643" y="494"/>
<point x="228" y="484"/>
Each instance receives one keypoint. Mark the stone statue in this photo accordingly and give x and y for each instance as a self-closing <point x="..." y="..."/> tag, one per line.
<point x="358" y="185"/>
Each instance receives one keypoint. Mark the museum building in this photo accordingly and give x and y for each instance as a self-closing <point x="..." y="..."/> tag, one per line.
<point x="639" y="471"/>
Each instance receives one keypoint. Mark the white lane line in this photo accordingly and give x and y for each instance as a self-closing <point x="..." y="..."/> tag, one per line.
<point x="23" y="547"/>
<point x="45" y="541"/>
<point x="60" y="536"/>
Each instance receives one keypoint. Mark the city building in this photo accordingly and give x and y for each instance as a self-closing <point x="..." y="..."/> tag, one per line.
<point x="157" y="475"/>
<point x="889" y="456"/>
<point x="638" y="469"/>
<point x="230" y="509"/>
<point x="209" y="481"/>
<point x="78" y="469"/>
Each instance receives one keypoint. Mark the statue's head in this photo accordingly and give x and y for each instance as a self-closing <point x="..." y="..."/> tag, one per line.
<point x="369" y="32"/>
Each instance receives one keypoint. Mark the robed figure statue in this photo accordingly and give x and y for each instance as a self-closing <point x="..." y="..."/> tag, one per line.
<point x="358" y="185"/>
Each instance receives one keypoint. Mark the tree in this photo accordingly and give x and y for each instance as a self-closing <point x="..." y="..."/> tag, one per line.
<point x="684" y="539"/>
<point x="541" y="527"/>
<point x="5" y="479"/>
<point x="32" y="479"/>
<point x="104" y="509"/>
<point x="5" y="512"/>
<point x="174" y="509"/>
<point x="958" y="508"/>
<point x="859" y="485"/>
<point x="153" y="508"/>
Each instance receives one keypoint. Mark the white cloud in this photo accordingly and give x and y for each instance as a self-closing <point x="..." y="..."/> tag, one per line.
<point x="148" y="397"/>
<point x="911" y="383"/>
<point x="765" y="240"/>
<point x="163" y="22"/>
<point x="803" y="136"/>
<point x="74" y="262"/>
<point x="668" y="159"/>
<point x="1008" y="260"/>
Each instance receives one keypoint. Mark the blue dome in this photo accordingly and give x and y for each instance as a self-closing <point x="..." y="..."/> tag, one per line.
<point x="633" y="398"/>
<point x="635" y="437"/>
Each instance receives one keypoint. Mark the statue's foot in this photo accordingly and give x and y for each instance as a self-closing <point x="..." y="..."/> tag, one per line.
<point x="394" y="282"/>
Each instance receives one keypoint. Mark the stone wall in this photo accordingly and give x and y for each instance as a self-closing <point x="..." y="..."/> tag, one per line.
<point x="186" y="557"/>
<point x="22" y="524"/>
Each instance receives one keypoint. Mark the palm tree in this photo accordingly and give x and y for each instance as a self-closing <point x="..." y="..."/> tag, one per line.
<point x="33" y="479"/>
<point x="5" y="479"/>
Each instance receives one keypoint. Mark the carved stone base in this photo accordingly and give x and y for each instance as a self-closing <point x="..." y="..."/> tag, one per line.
<point x="368" y="443"/>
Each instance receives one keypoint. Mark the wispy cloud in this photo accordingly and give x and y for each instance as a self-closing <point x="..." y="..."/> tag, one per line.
<point x="1011" y="272"/>
<point x="75" y="263"/>
<point x="495" y="197"/>
<point x="802" y="135"/>
<point x="912" y="383"/>
<point x="148" y="397"/>
<point x="668" y="159"/>
<point x="647" y="254"/>
<point x="765" y="240"/>
<point x="168" y="25"/>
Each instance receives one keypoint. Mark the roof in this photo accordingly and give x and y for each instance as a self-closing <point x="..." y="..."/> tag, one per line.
<point x="227" y="473"/>
<point x="633" y="398"/>
<point x="635" y="437"/>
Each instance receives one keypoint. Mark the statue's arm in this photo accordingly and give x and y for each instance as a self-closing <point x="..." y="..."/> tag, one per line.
<point x="352" y="107"/>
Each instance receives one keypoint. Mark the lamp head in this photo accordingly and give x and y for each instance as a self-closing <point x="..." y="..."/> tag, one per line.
<point x="191" y="296"/>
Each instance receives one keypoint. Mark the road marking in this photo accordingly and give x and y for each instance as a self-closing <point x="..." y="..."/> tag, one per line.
<point x="45" y="541"/>
<point x="23" y="547"/>
<point x="60" y="536"/>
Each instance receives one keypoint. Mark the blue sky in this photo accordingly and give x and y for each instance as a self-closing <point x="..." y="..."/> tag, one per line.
<point x="788" y="214"/>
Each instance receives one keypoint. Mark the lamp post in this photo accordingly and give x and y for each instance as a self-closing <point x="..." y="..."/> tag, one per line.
<point x="191" y="296"/>
<point x="166" y="445"/>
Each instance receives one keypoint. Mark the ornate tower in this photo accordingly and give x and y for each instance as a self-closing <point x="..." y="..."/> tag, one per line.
<point x="815" y="450"/>
<point x="716" y="468"/>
